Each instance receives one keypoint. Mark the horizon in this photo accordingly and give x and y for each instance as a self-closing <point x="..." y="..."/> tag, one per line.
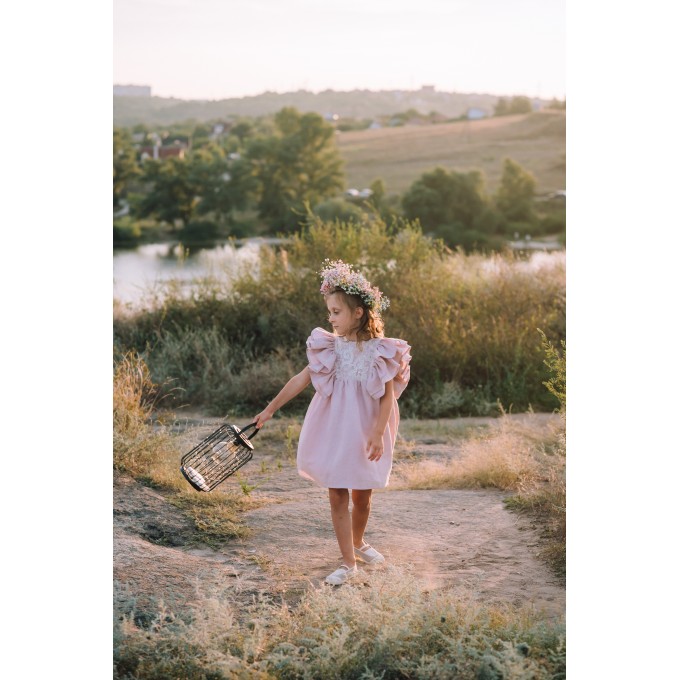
<point x="336" y="91"/>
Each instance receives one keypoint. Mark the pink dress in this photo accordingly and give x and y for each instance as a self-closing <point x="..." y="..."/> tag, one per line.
<point x="349" y="379"/>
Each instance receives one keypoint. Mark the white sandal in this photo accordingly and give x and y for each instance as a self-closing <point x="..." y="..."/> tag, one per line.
<point x="341" y="575"/>
<point x="368" y="554"/>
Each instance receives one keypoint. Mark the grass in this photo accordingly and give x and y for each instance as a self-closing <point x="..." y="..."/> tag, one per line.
<point x="387" y="626"/>
<point x="537" y="141"/>
<point x="390" y="627"/>
<point x="471" y="320"/>
<point x="523" y="457"/>
<point x="151" y="454"/>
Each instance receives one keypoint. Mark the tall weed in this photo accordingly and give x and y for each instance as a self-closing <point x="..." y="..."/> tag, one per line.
<point x="390" y="628"/>
<point x="470" y="319"/>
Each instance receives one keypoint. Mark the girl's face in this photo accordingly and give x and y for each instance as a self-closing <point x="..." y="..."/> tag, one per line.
<point x="343" y="319"/>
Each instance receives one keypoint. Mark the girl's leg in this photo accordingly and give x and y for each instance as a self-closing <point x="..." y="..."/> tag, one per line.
<point x="342" y="523"/>
<point x="361" y="509"/>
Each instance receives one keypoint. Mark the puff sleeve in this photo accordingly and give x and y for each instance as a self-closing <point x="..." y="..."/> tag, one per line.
<point x="321" y="357"/>
<point x="392" y="360"/>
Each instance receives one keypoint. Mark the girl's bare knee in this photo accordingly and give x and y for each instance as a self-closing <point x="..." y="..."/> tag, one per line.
<point x="339" y="498"/>
<point x="361" y="499"/>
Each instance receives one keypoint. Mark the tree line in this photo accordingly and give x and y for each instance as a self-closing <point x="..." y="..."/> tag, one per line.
<point x="268" y="175"/>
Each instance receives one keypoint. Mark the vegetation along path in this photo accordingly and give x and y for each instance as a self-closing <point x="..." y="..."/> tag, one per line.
<point x="461" y="539"/>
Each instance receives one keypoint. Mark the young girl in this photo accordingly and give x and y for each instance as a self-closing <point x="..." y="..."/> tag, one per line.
<point x="350" y="427"/>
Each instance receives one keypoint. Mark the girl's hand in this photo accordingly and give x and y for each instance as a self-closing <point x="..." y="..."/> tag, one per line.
<point x="261" y="418"/>
<point x="375" y="446"/>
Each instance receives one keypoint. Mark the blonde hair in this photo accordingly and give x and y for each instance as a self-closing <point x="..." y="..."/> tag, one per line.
<point x="371" y="324"/>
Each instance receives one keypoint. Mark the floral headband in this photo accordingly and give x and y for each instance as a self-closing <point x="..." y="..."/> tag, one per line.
<point x="338" y="274"/>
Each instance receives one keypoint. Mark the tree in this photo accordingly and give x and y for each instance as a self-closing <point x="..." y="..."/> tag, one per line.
<point x="125" y="165"/>
<point x="501" y="108"/>
<point x="171" y="197"/>
<point x="515" y="196"/>
<point x="298" y="164"/>
<point x="440" y="197"/>
<point x="514" y="106"/>
<point x="220" y="185"/>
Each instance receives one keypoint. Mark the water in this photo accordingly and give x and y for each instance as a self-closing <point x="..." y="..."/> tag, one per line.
<point x="147" y="268"/>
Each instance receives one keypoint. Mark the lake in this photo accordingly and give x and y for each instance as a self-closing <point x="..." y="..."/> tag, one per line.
<point x="146" y="268"/>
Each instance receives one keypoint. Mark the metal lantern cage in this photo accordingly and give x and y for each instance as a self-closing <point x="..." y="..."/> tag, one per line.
<point x="217" y="457"/>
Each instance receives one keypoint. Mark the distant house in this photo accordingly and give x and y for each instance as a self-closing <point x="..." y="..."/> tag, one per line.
<point x="221" y="128"/>
<point x="158" y="152"/>
<point x="536" y="105"/>
<point x="474" y="113"/>
<point x="375" y="125"/>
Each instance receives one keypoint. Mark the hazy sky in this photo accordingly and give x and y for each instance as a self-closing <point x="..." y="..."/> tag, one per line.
<point x="213" y="49"/>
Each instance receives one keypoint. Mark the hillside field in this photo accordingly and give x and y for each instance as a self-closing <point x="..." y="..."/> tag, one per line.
<point x="537" y="141"/>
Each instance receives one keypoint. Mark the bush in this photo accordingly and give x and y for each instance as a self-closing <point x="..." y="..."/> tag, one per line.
<point x="470" y="319"/>
<point x="339" y="209"/>
<point x="470" y="240"/>
<point x="553" y="224"/>
<point x="199" y="232"/>
<point x="126" y="232"/>
<point x="136" y="447"/>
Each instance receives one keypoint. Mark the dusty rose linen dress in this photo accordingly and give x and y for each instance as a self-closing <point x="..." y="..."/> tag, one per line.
<point x="349" y="379"/>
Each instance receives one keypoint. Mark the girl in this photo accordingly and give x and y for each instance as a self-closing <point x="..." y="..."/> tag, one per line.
<point x="350" y="427"/>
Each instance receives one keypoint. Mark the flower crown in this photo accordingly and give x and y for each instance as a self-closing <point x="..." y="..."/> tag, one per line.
<point x="338" y="274"/>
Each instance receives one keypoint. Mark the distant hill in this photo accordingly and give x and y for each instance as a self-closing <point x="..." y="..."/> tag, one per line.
<point x="128" y="111"/>
<point x="537" y="141"/>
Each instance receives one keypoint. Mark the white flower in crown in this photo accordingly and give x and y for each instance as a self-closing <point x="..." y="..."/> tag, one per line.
<point x="339" y="274"/>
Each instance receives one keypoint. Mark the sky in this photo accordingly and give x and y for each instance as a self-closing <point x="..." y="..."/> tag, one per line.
<point x="217" y="49"/>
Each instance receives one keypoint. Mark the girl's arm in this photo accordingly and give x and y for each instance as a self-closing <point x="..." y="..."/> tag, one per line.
<point x="291" y="389"/>
<point x="374" y="446"/>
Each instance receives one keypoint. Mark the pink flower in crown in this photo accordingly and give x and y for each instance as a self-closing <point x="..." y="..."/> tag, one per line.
<point x="339" y="274"/>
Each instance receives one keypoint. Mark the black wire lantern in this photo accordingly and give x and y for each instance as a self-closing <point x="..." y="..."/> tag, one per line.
<point x="217" y="457"/>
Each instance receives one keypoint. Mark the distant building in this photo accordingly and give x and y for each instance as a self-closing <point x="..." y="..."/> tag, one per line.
<point x="474" y="113"/>
<point x="427" y="89"/>
<point x="158" y="152"/>
<point x="221" y="128"/>
<point x="131" y="91"/>
<point x="536" y="104"/>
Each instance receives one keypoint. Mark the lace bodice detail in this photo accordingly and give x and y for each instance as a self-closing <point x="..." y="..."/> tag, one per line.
<point x="371" y="363"/>
<point x="353" y="362"/>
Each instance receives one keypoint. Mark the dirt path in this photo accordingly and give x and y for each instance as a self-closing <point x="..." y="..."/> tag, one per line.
<point x="451" y="538"/>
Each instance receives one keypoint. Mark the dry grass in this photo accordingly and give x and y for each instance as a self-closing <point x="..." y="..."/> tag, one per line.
<point x="537" y="141"/>
<point x="389" y="627"/>
<point x="524" y="457"/>
<point x="151" y="454"/>
<point x="509" y="455"/>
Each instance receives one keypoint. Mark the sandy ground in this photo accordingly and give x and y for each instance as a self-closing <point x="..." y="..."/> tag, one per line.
<point x="460" y="539"/>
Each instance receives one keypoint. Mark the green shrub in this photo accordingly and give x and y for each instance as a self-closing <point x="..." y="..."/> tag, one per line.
<point x="553" y="224"/>
<point x="126" y="232"/>
<point x="339" y="209"/>
<point x="470" y="319"/>
<point x="199" y="231"/>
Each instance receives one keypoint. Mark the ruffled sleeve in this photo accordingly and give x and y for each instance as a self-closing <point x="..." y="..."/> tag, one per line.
<point x="392" y="360"/>
<point x="321" y="357"/>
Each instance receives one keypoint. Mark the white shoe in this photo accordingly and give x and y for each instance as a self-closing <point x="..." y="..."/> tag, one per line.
<point x="342" y="575"/>
<point x="368" y="554"/>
